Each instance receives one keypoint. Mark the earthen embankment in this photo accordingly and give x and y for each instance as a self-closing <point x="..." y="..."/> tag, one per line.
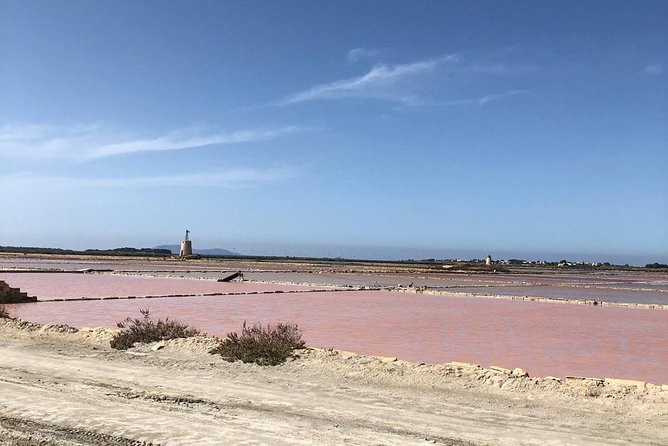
<point x="65" y="386"/>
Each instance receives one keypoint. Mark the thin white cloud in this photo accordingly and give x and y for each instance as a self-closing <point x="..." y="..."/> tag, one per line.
<point x="38" y="131"/>
<point x="175" y="142"/>
<point x="44" y="141"/>
<point x="501" y="69"/>
<point x="653" y="69"/>
<point x="493" y="97"/>
<point x="380" y="82"/>
<point x="398" y="83"/>
<point x="85" y="143"/>
<point x="480" y="101"/>
<point x="230" y="178"/>
<point x="360" y="53"/>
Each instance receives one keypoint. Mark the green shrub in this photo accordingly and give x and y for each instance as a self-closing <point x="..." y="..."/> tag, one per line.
<point x="146" y="330"/>
<point x="4" y="313"/>
<point x="270" y="345"/>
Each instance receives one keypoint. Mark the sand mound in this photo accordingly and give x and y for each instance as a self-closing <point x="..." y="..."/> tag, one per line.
<point x="458" y="376"/>
<point x="32" y="326"/>
<point x="194" y="345"/>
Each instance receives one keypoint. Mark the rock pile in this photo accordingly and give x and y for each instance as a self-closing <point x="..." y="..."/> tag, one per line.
<point x="9" y="295"/>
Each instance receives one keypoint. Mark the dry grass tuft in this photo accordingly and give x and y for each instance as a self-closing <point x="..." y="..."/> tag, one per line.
<point x="262" y="345"/>
<point x="146" y="330"/>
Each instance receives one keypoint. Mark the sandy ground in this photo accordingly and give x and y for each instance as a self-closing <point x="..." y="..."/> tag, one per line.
<point x="62" y="387"/>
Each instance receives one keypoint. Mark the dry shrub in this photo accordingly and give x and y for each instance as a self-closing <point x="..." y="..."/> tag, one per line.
<point x="4" y="313"/>
<point x="146" y="330"/>
<point x="262" y="345"/>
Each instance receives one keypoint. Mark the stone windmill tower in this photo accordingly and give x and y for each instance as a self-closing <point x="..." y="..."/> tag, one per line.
<point x="186" y="246"/>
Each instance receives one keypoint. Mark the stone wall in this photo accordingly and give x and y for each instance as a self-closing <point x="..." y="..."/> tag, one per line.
<point x="9" y="295"/>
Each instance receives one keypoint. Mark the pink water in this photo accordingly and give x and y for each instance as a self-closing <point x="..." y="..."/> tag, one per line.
<point x="49" y="286"/>
<point x="543" y="338"/>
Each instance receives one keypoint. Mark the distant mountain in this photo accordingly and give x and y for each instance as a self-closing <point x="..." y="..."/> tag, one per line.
<point x="175" y="249"/>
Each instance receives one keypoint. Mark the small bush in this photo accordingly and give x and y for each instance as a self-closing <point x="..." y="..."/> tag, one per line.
<point x="270" y="345"/>
<point x="4" y="313"/>
<point x="146" y="330"/>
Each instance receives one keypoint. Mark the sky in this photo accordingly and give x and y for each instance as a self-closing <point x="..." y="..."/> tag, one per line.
<point x="378" y="129"/>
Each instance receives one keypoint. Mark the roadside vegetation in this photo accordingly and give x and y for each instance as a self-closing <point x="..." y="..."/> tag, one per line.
<point x="262" y="345"/>
<point x="4" y="313"/>
<point x="146" y="330"/>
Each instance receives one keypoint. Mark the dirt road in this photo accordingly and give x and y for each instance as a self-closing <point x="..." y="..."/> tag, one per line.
<point x="71" y="389"/>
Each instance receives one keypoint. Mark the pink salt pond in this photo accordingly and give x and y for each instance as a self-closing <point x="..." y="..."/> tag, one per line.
<point x="543" y="338"/>
<point x="49" y="286"/>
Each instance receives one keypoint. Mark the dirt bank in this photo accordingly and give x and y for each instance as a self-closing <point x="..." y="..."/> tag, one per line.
<point x="64" y="386"/>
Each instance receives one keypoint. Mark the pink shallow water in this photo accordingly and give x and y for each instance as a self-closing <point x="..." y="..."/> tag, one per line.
<point x="48" y="286"/>
<point x="543" y="338"/>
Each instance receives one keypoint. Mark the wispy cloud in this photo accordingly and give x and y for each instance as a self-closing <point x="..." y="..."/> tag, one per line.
<point x="501" y="69"/>
<point x="380" y="82"/>
<point x="357" y="54"/>
<point x="90" y="142"/>
<point x="234" y="178"/>
<point x="653" y="69"/>
<point x="409" y="84"/>
<point x="175" y="141"/>
<point x="480" y="101"/>
<point x="493" y="97"/>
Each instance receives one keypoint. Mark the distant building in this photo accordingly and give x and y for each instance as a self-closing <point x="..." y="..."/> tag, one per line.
<point x="186" y="246"/>
<point x="488" y="260"/>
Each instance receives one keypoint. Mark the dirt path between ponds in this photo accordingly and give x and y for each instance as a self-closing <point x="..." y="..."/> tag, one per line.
<point x="59" y="388"/>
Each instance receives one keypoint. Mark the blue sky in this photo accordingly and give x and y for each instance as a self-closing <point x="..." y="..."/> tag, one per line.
<point x="352" y="128"/>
